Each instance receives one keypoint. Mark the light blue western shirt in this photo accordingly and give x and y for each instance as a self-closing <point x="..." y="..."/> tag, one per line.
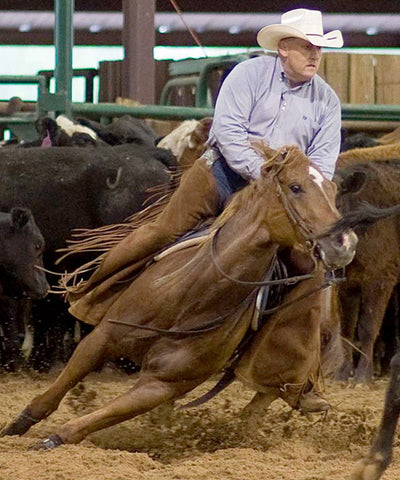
<point x="256" y="102"/>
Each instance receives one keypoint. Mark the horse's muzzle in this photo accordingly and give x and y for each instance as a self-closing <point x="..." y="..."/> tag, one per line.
<point x="336" y="250"/>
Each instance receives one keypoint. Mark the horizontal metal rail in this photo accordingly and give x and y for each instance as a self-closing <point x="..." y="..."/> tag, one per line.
<point x="146" y="111"/>
<point x="105" y="111"/>
<point x="39" y="79"/>
<point x="384" y="113"/>
<point x="361" y="112"/>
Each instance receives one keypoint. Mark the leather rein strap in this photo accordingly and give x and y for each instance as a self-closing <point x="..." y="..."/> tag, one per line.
<point x="294" y="216"/>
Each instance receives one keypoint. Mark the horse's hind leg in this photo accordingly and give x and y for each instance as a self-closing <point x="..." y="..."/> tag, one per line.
<point x="148" y="393"/>
<point x="88" y="354"/>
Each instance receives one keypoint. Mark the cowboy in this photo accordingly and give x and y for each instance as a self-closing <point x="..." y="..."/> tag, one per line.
<point x="279" y="99"/>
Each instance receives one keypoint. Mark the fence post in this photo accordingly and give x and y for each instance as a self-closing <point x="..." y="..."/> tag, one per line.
<point x="64" y="39"/>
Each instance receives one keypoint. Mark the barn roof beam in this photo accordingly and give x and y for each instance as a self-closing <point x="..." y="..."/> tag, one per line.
<point x="182" y="38"/>
<point x="339" y="6"/>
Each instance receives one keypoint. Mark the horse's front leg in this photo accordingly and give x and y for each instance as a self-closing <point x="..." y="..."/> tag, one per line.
<point x="148" y="393"/>
<point x="255" y="410"/>
<point x="87" y="356"/>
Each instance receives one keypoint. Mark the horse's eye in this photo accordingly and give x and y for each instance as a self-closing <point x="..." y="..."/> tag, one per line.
<point x="295" y="188"/>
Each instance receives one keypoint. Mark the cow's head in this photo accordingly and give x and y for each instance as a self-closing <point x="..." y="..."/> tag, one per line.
<point x="63" y="132"/>
<point x="21" y="255"/>
<point x="350" y="182"/>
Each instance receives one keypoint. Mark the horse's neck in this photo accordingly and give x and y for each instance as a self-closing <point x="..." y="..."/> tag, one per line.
<point x="242" y="246"/>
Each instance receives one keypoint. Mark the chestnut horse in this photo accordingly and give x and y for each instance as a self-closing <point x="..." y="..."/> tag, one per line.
<point x="183" y="317"/>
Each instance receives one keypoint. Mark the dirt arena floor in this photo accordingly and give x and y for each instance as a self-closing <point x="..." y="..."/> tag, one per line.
<point x="204" y="443"/>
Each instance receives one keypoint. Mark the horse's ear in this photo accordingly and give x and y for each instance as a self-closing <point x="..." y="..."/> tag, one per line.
<point x="263" y="149"/>
<point x="275" y="164"/>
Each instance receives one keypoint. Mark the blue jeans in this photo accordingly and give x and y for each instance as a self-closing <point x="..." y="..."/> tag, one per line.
<point x="228" y="181"/>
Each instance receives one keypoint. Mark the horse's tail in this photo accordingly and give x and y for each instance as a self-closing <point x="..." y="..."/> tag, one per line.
<point x="362" y="216"/>
<point x="227" y="378"/>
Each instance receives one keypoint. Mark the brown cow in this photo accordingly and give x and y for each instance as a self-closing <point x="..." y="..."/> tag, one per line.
<point x="375" y="270"/>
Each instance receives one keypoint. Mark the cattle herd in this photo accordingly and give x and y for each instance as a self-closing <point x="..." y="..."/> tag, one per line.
<point x="82" y="175"/>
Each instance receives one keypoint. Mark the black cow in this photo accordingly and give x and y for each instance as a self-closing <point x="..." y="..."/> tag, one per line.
<point x="21" y="253"/>
<point x="125" y="129"/>
<point x="356" y="140"/>
<point x="70" y="188"/>
<point x="64" y="132"/>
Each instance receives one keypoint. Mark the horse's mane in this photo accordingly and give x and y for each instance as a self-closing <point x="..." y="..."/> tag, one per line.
<point x="246" y="197"/>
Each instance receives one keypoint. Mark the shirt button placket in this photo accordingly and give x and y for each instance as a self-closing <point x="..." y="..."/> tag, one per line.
<point x="283" y="102"/>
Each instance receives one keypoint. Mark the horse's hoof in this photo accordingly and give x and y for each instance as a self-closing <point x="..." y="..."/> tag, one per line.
<point x="21" y="425"/>
<point x="53" y="441"/>
<point x="366" y="469"/>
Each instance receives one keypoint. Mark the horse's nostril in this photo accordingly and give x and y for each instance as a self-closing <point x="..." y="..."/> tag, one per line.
<point x="340" y="239"/>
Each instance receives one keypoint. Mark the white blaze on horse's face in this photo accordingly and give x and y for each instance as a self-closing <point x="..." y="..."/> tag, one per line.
<point x="316" y="176"/>
<point x="346" y="242"/>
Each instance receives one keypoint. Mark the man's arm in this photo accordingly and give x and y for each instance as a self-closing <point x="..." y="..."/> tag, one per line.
<point x="324" y="148"/>
<point x="231" y="123"/>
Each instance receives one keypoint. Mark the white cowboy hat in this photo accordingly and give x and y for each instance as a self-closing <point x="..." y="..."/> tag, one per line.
<point x="300" y="23"/>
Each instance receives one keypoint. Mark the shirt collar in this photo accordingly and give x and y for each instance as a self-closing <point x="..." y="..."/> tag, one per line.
<point x="283" y="78"/>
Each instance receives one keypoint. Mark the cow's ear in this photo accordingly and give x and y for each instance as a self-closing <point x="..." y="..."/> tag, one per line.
<point x="20" y="217"/>
<point x="351" y="182"/>
<point x="203" y="129"/>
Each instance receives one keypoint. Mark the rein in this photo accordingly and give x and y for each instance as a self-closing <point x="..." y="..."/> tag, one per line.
<point x="328" y="282"/>
<point x="206" y="327"/>
<point x="281" y="281"/>
<point x="294" y="215"/>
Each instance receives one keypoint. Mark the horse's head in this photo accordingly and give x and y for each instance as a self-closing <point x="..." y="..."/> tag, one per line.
<point x="305" y="208"/>
<point x="188" y="141"/>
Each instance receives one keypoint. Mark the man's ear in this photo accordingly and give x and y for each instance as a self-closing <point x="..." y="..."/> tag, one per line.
<point x="283" y="48"/>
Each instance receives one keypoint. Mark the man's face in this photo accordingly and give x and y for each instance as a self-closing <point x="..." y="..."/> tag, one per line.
<point x="300" y="59"/>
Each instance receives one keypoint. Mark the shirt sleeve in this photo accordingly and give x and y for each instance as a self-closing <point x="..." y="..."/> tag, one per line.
<point x="230" y="129"/>
<point x="323" y="151"/>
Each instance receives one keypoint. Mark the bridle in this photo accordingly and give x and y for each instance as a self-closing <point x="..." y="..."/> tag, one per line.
<point x="296" y="220"/>
<point x="294" y="216"/>
<point x="310" y="239"/>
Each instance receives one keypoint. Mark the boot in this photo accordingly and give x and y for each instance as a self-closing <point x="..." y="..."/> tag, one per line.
<point x="312" y="402"/>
